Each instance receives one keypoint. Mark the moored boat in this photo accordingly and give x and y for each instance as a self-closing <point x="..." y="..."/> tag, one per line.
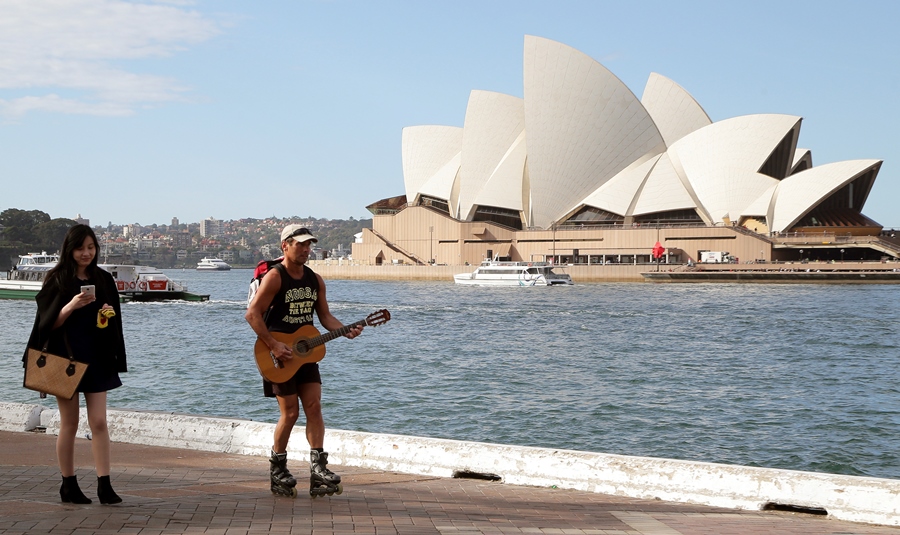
<point x="135" y="283"/>
<point x="212" y="264"/>
<point x="145" y="283"/>
<point x="497" y="273"/>
<point x="26" y="278"/>
<point x="19" y="289"/>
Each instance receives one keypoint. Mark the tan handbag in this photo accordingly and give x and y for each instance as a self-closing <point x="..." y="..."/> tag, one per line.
<point x="52" y="374"/>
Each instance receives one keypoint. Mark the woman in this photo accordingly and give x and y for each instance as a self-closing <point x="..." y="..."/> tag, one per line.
<point x="68" y="317"/>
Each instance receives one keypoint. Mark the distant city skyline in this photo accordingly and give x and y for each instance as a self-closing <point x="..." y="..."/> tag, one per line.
<point x="137" y="112"/>
<point x="175" y="221"/>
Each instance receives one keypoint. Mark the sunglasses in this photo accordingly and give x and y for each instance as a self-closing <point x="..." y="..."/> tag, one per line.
<point x="300" y="232"/>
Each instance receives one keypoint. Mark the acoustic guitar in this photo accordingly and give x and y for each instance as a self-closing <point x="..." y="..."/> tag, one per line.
<point x="307" y="346"/>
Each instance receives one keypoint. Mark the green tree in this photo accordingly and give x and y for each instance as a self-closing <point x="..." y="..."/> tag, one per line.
<point x="50" y="234"/>
<point x="340" y="232"/>
<point x="20" y="224"/>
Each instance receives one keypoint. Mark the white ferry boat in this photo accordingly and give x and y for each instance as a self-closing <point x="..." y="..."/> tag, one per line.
<point x="33" y="266"/>
<point x="135" y="283"/>
<point x="26" y="278"/>
<point x="497" y="273"/>
<point x="212" y="264"/>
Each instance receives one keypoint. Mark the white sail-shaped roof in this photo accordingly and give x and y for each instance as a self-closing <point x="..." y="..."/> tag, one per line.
<point x="582" y="124"/>
<point x="760" y="207"/>
<point x="618" y="194"/>
<point x="425" y="150"/>
<point x="663" y="191"/>
<point x="442" y="182"/>
<point x="802" y="157"/>
<point x="580" y="138"/>
<point x="505" y="187"/>
<point x="493" y="123"/>
<point x="673" y="109"/>
<point x="798" y="194"/>
<point x="721" y="161"/>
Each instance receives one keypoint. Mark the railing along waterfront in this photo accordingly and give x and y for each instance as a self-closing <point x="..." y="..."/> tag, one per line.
<point x="819" y="237"/>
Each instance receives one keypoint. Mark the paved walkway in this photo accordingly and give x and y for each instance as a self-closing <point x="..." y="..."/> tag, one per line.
<point x="169" y="491"/>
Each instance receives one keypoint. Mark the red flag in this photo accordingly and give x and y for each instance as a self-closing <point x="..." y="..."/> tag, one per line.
<point x="658" y="251"/>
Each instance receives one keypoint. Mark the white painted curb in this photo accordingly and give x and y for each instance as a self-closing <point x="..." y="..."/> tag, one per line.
<point x="857" y="499"/>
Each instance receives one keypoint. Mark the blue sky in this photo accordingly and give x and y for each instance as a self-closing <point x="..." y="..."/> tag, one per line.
<point x="140" y="111"/>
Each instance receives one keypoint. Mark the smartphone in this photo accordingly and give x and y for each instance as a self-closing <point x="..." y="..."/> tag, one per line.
<point x="90" y="290"/>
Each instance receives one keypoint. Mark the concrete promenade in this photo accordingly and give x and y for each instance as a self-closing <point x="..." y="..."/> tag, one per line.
<point x="169" y="491"/>
<point x="193" y="474"/>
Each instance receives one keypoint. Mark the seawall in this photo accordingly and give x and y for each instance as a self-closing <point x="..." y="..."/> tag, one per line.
<point x="817" y="272"/>
<point x="409" y="272"/>
<point x="852" y="498"/>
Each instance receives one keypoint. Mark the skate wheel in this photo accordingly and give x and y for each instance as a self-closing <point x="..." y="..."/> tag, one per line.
<point x="288" y="492"/>
<point x="340" y="489"/>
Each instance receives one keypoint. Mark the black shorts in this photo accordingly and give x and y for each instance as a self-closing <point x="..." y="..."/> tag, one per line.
<point x="308" y="373"/>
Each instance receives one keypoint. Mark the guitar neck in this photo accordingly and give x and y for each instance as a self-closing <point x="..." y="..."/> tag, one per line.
<point x="331" y="335"/>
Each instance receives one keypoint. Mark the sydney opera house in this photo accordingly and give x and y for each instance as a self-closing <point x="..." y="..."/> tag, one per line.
<point x="582" y="171"/>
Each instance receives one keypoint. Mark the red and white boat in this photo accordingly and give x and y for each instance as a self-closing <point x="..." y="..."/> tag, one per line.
<point x="145" y="283"/>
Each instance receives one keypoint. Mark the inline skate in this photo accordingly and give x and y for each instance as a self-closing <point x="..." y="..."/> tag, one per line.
<point x="322" y="481"/>
<point x="282" y="482"/>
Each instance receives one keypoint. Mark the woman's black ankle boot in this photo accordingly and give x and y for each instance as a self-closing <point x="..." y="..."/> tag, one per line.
<point x="70" y="493"/>
<point x="105" y="491"/>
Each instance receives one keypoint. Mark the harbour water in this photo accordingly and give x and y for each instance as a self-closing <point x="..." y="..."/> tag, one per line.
<point x="801" y="377"/>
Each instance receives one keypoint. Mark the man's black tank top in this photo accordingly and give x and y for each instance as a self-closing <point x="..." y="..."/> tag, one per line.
<point x="294" y="305"/>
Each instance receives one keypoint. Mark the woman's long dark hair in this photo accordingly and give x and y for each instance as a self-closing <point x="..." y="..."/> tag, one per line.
<point x="66" y="268"/>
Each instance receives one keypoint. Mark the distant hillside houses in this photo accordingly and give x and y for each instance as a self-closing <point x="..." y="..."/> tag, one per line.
<point x="243" y="241"/>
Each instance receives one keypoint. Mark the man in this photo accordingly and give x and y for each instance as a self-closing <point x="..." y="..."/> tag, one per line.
<point x="284" y="302"/>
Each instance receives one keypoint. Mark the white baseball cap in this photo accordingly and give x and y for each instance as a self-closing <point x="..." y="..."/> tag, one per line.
<point x="299" y="233"/>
